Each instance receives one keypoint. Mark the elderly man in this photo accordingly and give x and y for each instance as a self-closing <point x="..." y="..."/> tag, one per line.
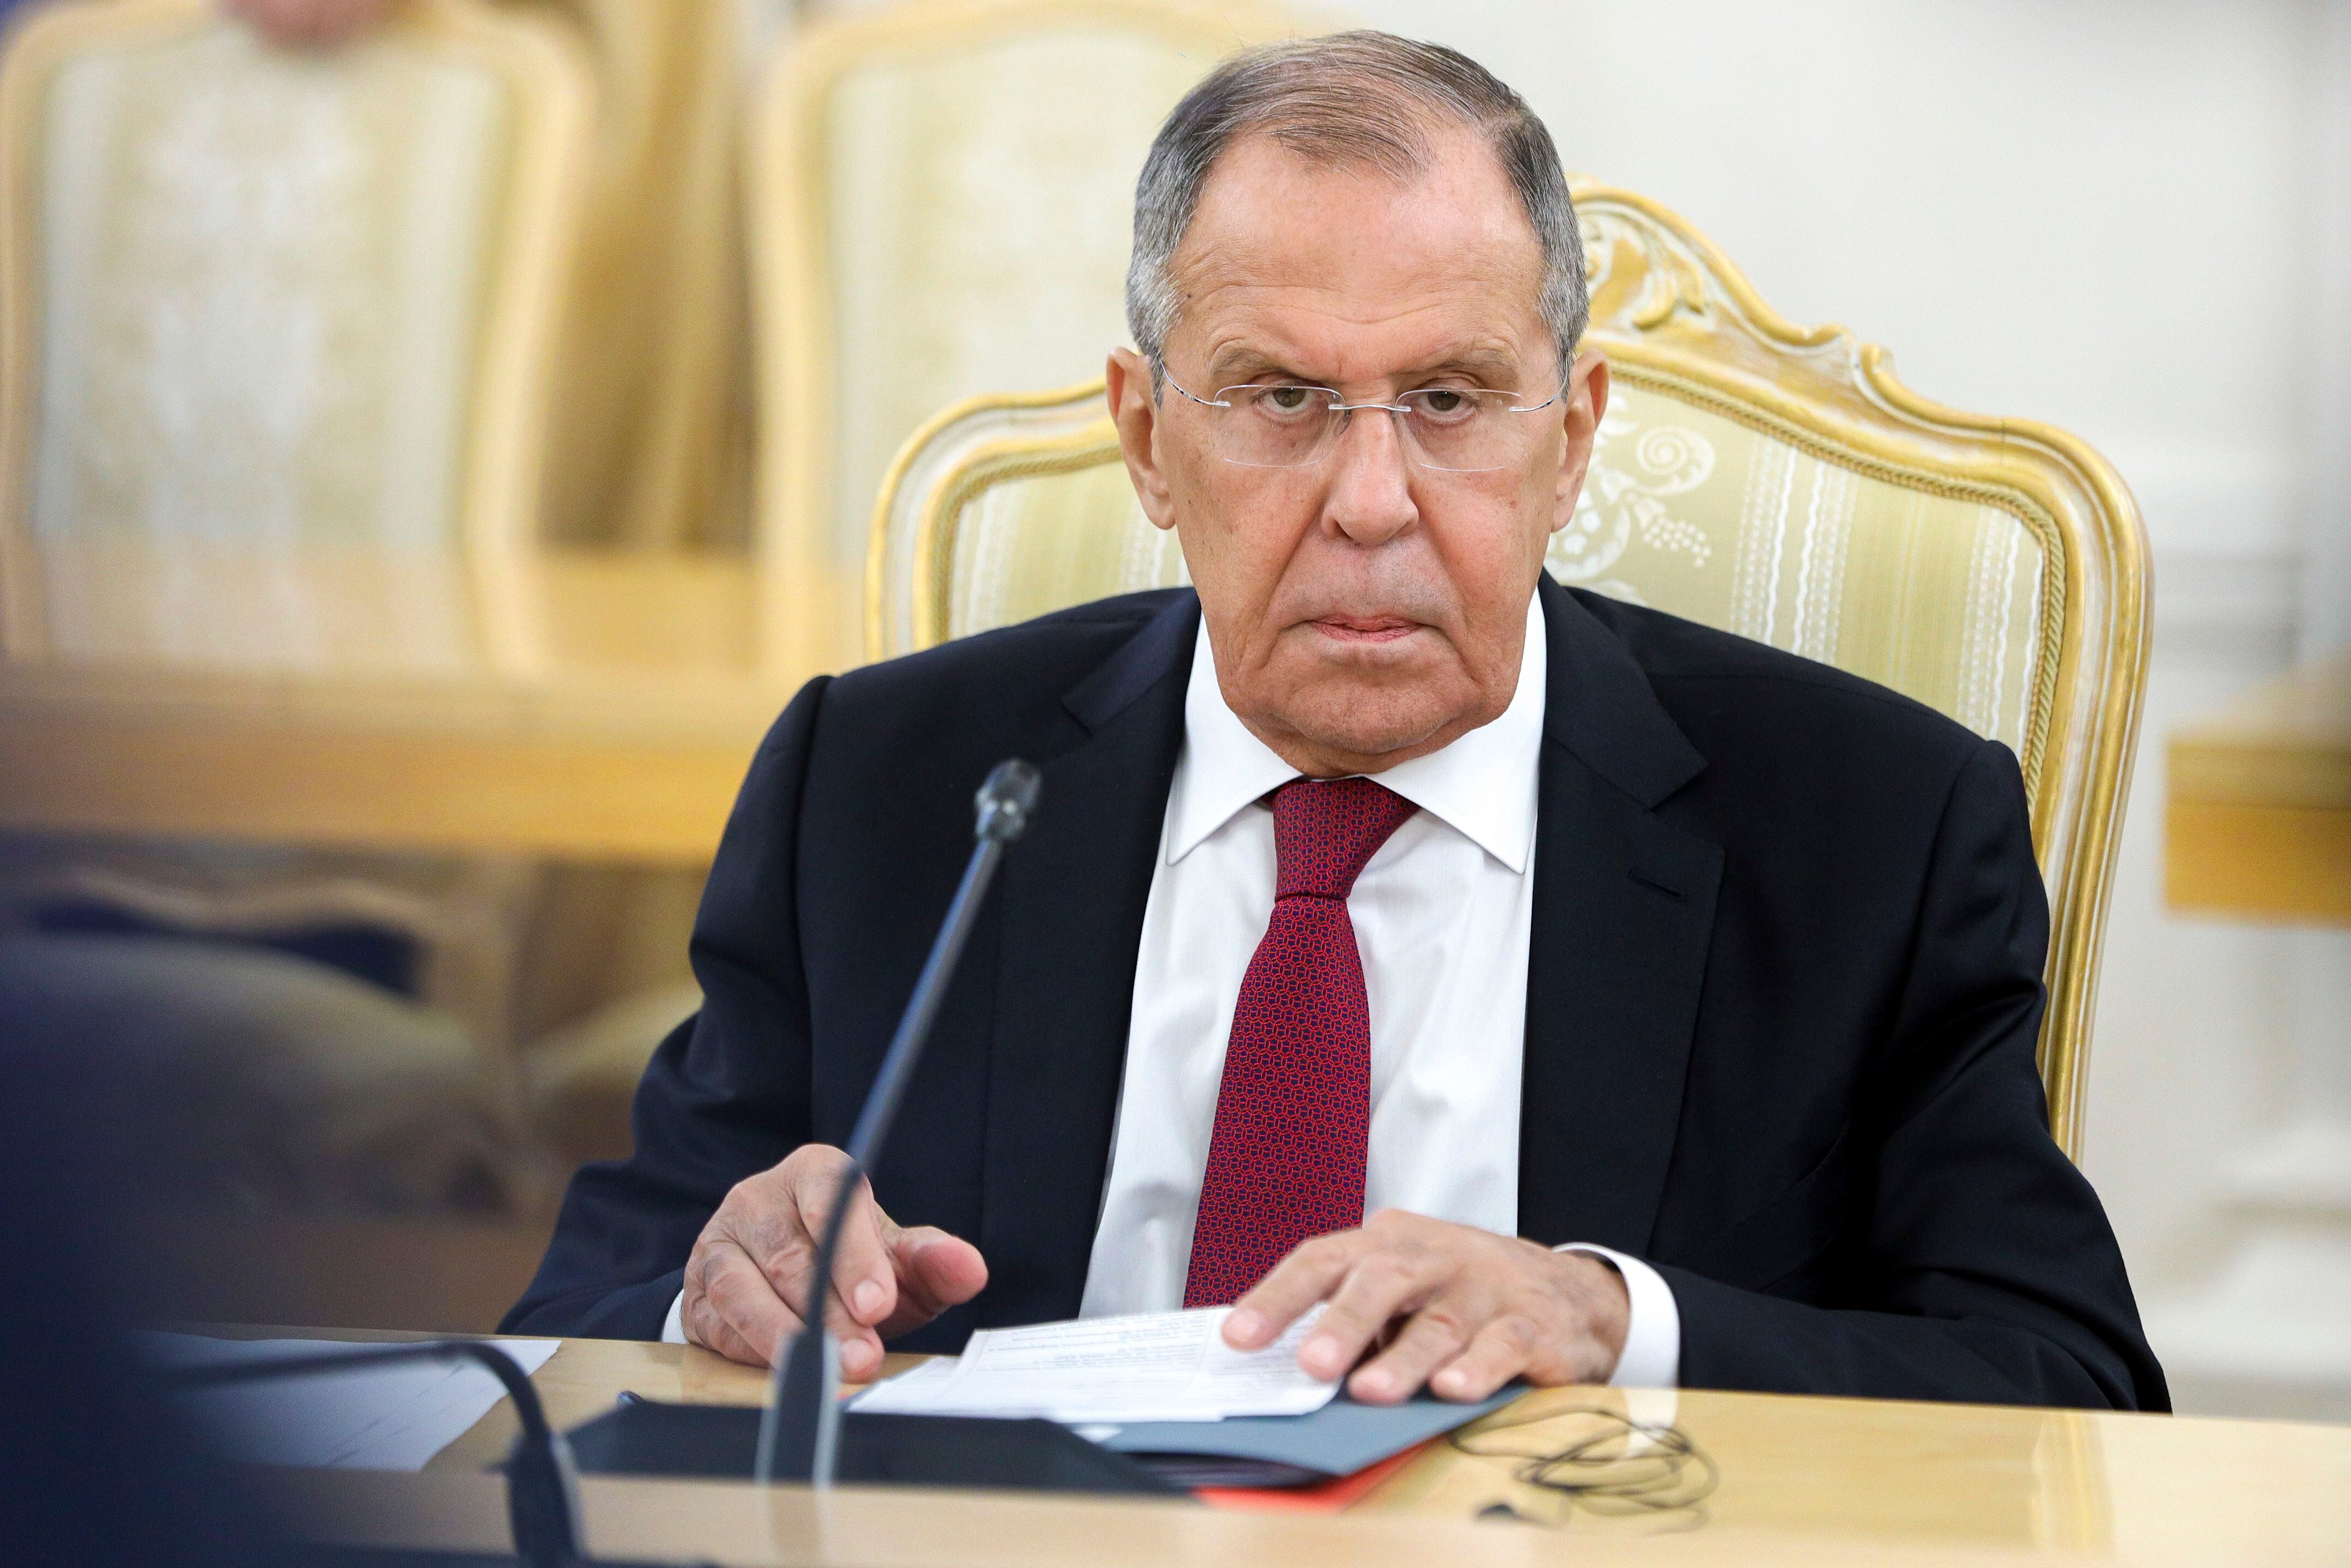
<point x="1553" y="988"/>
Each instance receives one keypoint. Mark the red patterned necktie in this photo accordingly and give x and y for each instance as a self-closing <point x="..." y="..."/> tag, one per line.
<point x="1286" y="1160"/>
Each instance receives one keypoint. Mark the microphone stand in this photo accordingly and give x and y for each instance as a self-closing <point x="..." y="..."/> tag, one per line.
<point x="799" y="1432"/>
<point x="542" y="1488"/>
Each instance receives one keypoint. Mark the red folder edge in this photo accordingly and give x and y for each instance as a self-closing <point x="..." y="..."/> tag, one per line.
<point x="1325" y="1496"/>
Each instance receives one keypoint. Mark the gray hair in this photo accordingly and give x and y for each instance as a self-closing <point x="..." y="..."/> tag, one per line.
<point x="1358" y="98"/>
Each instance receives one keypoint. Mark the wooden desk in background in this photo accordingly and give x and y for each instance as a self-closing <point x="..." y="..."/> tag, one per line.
<point x="1802" y="1480"/>
<point x="629" y="746"/>
<point x="2259" y="822"/>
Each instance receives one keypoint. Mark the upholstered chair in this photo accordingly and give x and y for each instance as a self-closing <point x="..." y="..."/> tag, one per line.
<point x="278" y="336"/>
<point x="275" y="343"/>
<point x="940" y="201"/>
<point x="1771" y="480"/>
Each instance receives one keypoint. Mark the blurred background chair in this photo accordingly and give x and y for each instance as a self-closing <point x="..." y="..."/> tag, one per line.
<point x="941" y="197"/>
<point x="1750" y="475"/>
<point x="278" y="335"/>
<point x="278" y="349"/>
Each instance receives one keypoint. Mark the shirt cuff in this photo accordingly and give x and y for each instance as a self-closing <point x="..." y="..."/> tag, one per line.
<point x="674" y="1325"/>
<point x="1653" y="1321"/>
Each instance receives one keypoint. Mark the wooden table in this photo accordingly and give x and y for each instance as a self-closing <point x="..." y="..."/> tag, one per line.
<point x="2260" y="816"/>
<point x="626" y="742"/>
<point x="1802" y="1480"/>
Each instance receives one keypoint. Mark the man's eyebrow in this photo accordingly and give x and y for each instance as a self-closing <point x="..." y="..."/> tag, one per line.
<point x="1487" y="362"/>
<point x="1248" y="363"/>
<point x="1492" y="364"/>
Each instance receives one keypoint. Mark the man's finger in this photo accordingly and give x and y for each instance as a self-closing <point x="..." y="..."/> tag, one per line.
<point x="859" y="1346"/>
<point x="741" y="1316"/>
<point x="1382" y="1285"/>
<point x="863" y="1287"/>
<point x="1311" y="1272"/>
<point x="936" y="1271"/>
<point x="705" y="1328"/>
<point x="1499" y="1351"/>
<point x="1430" y="1338"/>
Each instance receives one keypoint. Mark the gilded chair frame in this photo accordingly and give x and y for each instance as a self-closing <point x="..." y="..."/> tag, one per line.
<point x="1672" y="313"/>
<point x="525" y="288"/>
<point x="940" y="470"/>
<point x="810" y="609"/>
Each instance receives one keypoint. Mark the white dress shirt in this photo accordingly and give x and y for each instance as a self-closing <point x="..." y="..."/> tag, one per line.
<point x="1442" y="914"/>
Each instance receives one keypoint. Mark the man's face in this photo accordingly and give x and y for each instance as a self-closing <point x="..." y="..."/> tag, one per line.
<point x="1363" y="608"/>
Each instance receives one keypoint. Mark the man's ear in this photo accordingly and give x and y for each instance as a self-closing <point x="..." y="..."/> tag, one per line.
<point x="1586" y="402"/>
<point x="1136" y="413"/>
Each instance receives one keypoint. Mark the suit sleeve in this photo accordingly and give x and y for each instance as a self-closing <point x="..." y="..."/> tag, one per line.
<point x="725" y="1096"/>
<point x="1978" y="1265"/>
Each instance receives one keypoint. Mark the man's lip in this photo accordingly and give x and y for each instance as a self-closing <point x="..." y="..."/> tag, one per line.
<point x="1365" y="628"/>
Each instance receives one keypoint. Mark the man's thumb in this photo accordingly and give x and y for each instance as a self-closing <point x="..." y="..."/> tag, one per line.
<point x="937" y="1268"/>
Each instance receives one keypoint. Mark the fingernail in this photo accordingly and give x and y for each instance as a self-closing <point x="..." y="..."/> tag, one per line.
<point x="1245" y="1325"/>
<point x="1324" y="1351"/>
<point x="867" y="1298"/>
<point x="1378" y="1381"/>
<point x="1452" y="1380"/>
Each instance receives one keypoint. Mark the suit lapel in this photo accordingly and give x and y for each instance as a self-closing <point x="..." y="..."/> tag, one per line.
<point x="1623" y="917"/>
<point x="1074" y="893"/>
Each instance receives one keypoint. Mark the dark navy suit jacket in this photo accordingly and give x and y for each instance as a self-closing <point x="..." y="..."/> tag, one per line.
<point x="1783" y="989"/>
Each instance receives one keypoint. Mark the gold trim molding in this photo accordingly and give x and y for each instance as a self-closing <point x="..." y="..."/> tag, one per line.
<point x="987" y="465"/>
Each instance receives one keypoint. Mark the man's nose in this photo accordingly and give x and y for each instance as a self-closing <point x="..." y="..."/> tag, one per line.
<point x="1371" y="483"/>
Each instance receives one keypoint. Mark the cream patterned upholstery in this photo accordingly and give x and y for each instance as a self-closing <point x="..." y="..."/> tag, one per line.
<point x="277" y="335"/>
<point x="940" y="209"/>
<point x="1939" y="596"/>
<point x="1770" y="481"/>
<point x="1042" y="517"/>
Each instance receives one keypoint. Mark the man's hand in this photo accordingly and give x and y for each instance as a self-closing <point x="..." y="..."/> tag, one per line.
<point x="747" y="1279"/>
<point x="309" y="23"/>
<point x="1460" y="1309"/>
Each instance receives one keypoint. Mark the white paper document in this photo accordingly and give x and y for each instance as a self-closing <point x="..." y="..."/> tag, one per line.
<point x="391" y="1417"/>
<point x="1150" y="1366"/>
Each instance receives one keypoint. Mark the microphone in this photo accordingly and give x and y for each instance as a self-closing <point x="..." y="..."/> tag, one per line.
<point x="542" y="1487"/>
<point x="799" y="1432"/>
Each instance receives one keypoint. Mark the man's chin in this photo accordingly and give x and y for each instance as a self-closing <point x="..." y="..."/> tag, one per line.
<point x="1364" y="724"/>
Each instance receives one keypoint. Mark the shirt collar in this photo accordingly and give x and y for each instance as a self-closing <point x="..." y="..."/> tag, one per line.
<point x="1483" y="785"/>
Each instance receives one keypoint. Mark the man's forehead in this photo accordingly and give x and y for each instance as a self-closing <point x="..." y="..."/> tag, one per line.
<point x="1286" y="256"/>
<point x="1293" y="332"/>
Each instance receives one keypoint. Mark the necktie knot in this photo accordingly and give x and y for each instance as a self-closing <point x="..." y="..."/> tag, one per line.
<point x="1326" y="831"/>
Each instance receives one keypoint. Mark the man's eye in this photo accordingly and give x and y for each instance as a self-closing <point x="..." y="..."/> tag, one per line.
<point x="1286" y="399"/>
<point x="1443" y="401"/>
